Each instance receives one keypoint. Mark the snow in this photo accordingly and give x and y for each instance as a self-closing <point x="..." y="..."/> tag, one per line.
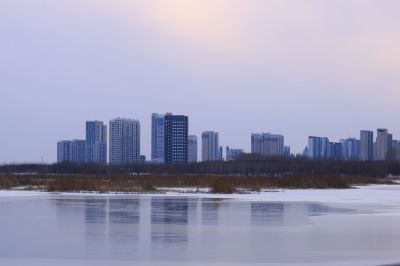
<point x="374" y="194"/>
<point x="19" y="193"/>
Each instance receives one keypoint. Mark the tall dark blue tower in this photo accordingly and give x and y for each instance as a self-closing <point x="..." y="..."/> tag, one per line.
<point x="176" y="138"/>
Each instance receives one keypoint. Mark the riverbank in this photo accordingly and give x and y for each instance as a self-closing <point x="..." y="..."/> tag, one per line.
<point x="179" y="183"/>
<point x="366" y="194"/>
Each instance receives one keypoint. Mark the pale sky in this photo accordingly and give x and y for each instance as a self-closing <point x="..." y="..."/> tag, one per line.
<point x="298" y="68"/>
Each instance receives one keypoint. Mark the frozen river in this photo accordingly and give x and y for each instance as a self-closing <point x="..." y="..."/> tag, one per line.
<point x="300" y="227"/>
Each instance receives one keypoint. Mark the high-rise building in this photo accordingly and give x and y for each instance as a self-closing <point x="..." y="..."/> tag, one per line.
<point x="232" y="154"/>
<point x="383" y="144"/>
<point x="267" y="144"/>
<point x="220" y="153"/>
<point x="210" y="146"/>
<point x="324" y="147"/>
<point x="176" y="138"/>
<point x="96" y="142"/>
<point x="64" y="151"/>
<point x="256" y="143"/>
<point x="315" y="147"/>
<point x="124" y="141"/>
<point x="78" y="151"/>
<point x="192" y="149"/>
<point x="366" y="145"/>
<point x="350" y="148"/>
<point x="71" y="151"/>
<point x="334" y="151"/>
<point x="100" y="152"/>
<point x="157" y="138"/>
<point x="321" y="148"/>
<point x="395" y="154"/>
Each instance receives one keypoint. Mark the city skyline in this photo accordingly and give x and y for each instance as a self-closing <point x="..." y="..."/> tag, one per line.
<point x="325" y="68"/>
<point x="173" y="143"/>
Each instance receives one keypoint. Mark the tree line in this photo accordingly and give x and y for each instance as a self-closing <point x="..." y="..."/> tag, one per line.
<point x="244" y="165"/>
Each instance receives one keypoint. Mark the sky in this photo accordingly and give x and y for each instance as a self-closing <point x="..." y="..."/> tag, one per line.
<point x="297" y="68"/>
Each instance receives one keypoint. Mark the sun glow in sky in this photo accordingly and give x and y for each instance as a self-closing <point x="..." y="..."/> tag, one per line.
<point x="298" y="68"/>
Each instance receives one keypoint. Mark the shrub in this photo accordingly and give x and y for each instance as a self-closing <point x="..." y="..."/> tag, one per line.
<point x="222" y="185"/>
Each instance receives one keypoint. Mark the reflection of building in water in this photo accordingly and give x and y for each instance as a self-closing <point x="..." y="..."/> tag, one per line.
<point x="169" y="219"/>
<point x="112" y="211"/>
<point x="122" y="211"/>
<point x="209" y="211"/>
<point x="123" y="222"/>
<point x="95" y="221"/>
<point x="95" y="210"/>
<point x="263" y="213"/>
<point x="315" y="209"/>
<point x="114" y="220"/>
<point x="67" y="208"/>
<point x="169" y="211"/>
<point x="278" y="213"/>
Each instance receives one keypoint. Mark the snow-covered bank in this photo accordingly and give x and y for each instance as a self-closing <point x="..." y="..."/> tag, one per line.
<point x="20" y="193"/>
<point x="381" y="194"/>
<point x="374" y="194"/>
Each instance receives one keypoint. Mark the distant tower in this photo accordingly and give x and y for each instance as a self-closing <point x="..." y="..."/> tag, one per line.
<point x="267" y="144"/>
<point x="366" y="145"/>
<point x="157" y="137"/>
<point x="209" y="146"/>
<point x="383" y="144"/>
<point x="334" y="151"/>
<point x="124" y="141"/>
<point x="221" y="153"/>
<point x="71" y="151"/>
<point x="176" y="138"/>
<point x="96" y="142"/>
<point x="256" y="143"/>
<point x="314" y="147"/>
<point x="64" y="151"/>
<point x="232" y="154"/>
<point x="350" y="148"/>
<point x="192" y="149"/>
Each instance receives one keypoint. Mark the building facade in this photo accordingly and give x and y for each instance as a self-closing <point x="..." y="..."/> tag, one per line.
<point x="324" y="147"/>
<point x="232" y="154"/>
<point x="73" y="151"/>
<point x="210" y="146"/>
<point x="395" y="154"/>
<point x="192" y="149"/>
<point x="96" y="142"/>
<point x="256" y="143"/>
<point x="157" y="138"/>
<point x="267" y="144"/>
<point x="334" y="151"/>
<point x="124" y="141"/>
<point x="366" y="145"/>
<point x="351" y="149"/>
<point x="176" y="136"/>
<point x="64" y="151"/>
<point x="314" y="148"/>
<point x="383" y="144"/>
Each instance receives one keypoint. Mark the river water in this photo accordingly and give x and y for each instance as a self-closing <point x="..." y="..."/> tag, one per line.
<point x="59" y="229"/>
